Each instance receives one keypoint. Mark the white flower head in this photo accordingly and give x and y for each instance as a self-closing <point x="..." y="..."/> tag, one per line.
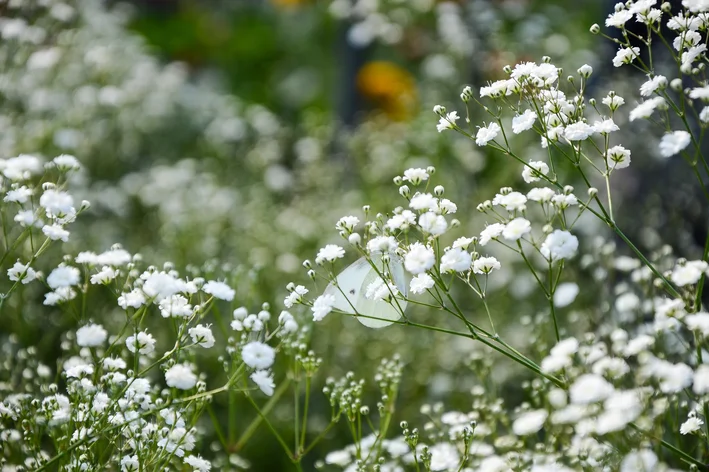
<point x="322" y="306"/>
<point x="180" y="376"/>
<point x="91" y="335"/>
<point x="419" y="258"/>
<point x="421" y="283"/>
<point x="487" y="134"/>
<point x="559" y="245"/>
<point x="264" y="380"/>
<point x="516" y="228"/>
<point x="534" y="171"/>
<point x="674" y="142"/>
<point x="258" y="355"/>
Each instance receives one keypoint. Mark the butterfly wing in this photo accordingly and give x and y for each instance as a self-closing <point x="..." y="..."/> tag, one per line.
<point x="352" y="285"/>
<point x="349" y="286"/>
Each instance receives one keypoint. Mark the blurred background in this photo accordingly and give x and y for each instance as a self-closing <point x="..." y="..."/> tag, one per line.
<point x="238" y="132"/>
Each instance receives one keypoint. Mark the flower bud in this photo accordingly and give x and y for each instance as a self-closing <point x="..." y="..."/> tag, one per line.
<point x="595" y="29"/>
<point x="438" y="190"/>
<point x="676" y="84"/>
<point x="355" y="239"/>
<point x="404" y="191"/>
<point x="592" y="192"/>
<point x="398" y="180"/>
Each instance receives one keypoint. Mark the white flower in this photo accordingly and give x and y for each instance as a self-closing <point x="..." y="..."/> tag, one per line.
<point x="55" y="233"/>
<point x="91" y="335"/>
<point x="421" y="283"/>
<point x="485" y="265"/>
<point x="419" y="258"/>
<point x="618" y="157"/>
<point x="625" y="56"/>
<point x="516" y="228"/>
<point x="133" y="299"/>
<point x="512" y="201"/>
<point x="491" y="232"/>
<point x="646" y="108"/>
<point x="258" y="355"/>
<point x="219" y="290"/>
<point x="202" y="336"/>
<point x="523" y="122"/>
<point x="432" y="223"/>
<point x="383" y="244"/>
<point x="181" y="377"/>
<point x="329" y="253"/>
<point x="114" y="257"/>
<point x="57" y="203"/>
<point x="161" y="285"/>
<point x="701" y="380"/>
<point x="674" y="142"/>
<point x="60" y="295"/>
<point x="692" y="425"/>
<point x="104" y="276"/>
<point x="689" y="273"/>
<point x="197" y="463"/>
<point x="696" y="6"/>
<point x="578" y="131"/>
<point x="487" y="134"/>
<point x="590" y="388"/>
<point x="27" y="217"/>
<point x="22" y="167"/>
<point x="447" y="121"/>
<point x="533" y="171"/>
<point x="565" y="294"/>
<point x="447" y="207"/>
<point x="619" y="18"/>
<point x="347" y="223"/>
<point x="444" y="456"/>
<point x="542" y="194"/>
<point x="649" y="87"/>
<point x="456" y="260"/>
<point x="130" y="464"/>
<point x="703" y="116"/>
<point x="529" y="422"/>
<point x="22" y="272"/>
<point x="66" y="162"/>
<point x="175" y="306"/>
<point x="559" y="245"/>
<point x="605" y="126"/>
<point x="322" y="306"/>
<point x="613" y="101"/>
<point x="18" y="195"/>
<point x="639" y="461"/>
<point x="264" y="380"/>
<point x="63" y="276"/>
<point x="143" y="342"/>
<point x="416" y="175"/>
<point x="424" y="201"/>
<point x="401" y="220"/>
<point x="294" y="297"/>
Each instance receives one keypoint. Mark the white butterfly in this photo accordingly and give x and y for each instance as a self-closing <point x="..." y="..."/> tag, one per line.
<point x="352" y="285"/>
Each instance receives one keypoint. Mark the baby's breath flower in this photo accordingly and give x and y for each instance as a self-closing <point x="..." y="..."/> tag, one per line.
<point x="322" y="306"/>
<point x="202" y="336"/>
<point x="91" y="335"/>
<point x="180" y="376"/>
<point x="674" y="142"/>
<point x="258" y="355"/>
<point x="421" y="283"/>
<point x="219" y="290"/>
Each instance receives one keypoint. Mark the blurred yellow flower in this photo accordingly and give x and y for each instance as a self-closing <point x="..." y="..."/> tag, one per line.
<point x="389" y="86"/>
